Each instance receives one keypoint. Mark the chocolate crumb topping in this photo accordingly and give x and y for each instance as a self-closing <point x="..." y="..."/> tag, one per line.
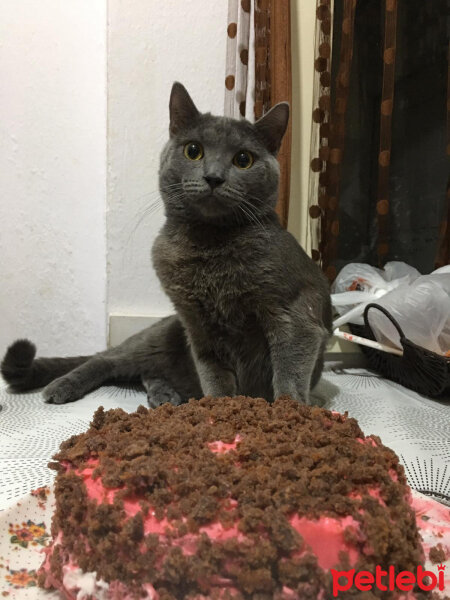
<point x="276" y="461"/>
<point x="437" y="554"/>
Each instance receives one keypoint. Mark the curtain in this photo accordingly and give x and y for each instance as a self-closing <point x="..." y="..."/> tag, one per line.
<point x="320" y="205"/>
<point x="272" y="72"/>
<point x="236" y="75"/>
<point x="273" y="80"/>
<point x="379" y="171"/>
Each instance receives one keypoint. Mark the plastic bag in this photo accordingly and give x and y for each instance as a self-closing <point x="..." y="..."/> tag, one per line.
<point x="422" y="310"/>
<point x="358" y="284"/>
<point x="419" y="303"/>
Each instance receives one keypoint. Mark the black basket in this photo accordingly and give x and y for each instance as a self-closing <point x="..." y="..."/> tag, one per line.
<point x="418" y="369"/>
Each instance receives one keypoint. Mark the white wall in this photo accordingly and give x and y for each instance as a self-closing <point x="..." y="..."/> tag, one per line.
<point x="53" y="174"/>
<point x="150" y="45"/>
<point x="54" y="67"/>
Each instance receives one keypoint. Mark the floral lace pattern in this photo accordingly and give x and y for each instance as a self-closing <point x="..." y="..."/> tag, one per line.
<point x="21" y="578"/>
<point x="24" y="533"/>
<point x="28" y="533"/>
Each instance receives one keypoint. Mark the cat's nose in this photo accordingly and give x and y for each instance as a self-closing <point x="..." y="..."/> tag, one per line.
<point x="213" y="181"/>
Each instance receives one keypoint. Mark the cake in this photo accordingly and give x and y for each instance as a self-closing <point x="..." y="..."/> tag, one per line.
<point x="230" y="498"/>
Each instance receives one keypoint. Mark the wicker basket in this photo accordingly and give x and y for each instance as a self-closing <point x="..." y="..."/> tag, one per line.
<point x="418" y="369"/>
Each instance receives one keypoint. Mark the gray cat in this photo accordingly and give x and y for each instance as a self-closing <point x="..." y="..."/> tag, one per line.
<point x="253" y="310"/>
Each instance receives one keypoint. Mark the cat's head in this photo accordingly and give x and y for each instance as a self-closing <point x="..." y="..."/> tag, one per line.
<point x="217" y="169"/>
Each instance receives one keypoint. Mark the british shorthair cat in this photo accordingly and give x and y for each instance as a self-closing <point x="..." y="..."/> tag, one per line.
<point x="253" y="311"/>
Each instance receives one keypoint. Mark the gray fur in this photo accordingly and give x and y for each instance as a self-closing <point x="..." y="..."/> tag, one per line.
<point x="253" y="310"/>
<point x="157" y="355"/>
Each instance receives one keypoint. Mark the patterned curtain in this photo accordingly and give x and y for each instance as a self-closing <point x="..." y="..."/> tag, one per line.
<point x="379" y="171"/>
<point x="236" y="77"/>
<point x="323" y="205"/>
<point x="272" y="75"/>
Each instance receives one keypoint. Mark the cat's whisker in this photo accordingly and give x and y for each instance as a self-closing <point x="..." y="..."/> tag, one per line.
<point x="237" y="213"/>
<point x="247" y="198"/>
<point x="244" y="218"/>
<point x="177" y="196"/>
<point x="144" y="211"/>
<point x="164" y="188"/>
<point x="158" y="203"/>
<point x="175" y="193"/>
<point x="249" y="215"/>
<point x="140" y="216"/>
<point x="140" y="213"/>
<point x="246" y="210"/>
<point x="145" y="196"/>
<point x="251" y="211"/>
<point x="173" y="186"/>
<point x="254" y="208"/>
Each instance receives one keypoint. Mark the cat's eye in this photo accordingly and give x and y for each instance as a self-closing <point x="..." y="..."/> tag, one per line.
<point x="243" y="159"/>
<point x="193" y="151"/>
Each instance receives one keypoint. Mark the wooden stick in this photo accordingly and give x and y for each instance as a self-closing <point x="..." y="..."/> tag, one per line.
<point x="281" y="90"/>
<point x="356" y="339"/>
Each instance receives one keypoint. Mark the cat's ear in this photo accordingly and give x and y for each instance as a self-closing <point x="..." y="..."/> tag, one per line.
<point x="272" y="126"/>
<point x="181" y="108"/>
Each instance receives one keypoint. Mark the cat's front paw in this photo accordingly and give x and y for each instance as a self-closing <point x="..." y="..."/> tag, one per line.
<point x="61" y="391"/>
<point x="300" y="397"/>
<point x="159" y="393"/>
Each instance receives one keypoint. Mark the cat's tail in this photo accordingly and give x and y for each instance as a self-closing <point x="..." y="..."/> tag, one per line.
<point x="23" y="372"/>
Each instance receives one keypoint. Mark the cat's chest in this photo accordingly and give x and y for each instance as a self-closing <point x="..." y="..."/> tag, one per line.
<point x="219" y="281"/>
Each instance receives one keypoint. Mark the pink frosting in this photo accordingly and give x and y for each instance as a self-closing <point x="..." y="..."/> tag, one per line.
<point x="220" y="447"/>
<point x="368" y="441"/>
<point x="433" y="521"/>
<point x="325" y="536"/>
